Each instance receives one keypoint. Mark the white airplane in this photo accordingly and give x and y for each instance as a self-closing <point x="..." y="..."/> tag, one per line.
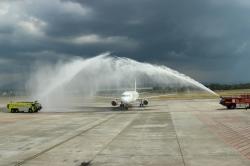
<point x="128" y="98"/>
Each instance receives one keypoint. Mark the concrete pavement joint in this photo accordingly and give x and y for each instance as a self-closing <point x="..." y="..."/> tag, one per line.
<point x="113" y="139"/>
<point x="62" y="142"/>
<point x="178" y="142"/>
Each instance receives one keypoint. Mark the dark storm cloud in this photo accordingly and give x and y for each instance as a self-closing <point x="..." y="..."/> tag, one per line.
<point x="205" y="39"/>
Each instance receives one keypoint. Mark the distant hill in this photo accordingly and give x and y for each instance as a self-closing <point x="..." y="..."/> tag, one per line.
<point x="12" y="89"/>
<point x="12" y="86"/>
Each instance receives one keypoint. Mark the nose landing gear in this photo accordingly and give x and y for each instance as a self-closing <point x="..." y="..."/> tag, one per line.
<point x="123" y="106"/>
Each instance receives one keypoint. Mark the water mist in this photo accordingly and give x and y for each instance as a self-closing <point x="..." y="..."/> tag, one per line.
<point x="52" y="84"/>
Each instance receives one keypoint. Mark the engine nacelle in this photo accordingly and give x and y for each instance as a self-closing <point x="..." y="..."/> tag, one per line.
<point x="145" y="102"/>
<point x="114" y="103"/>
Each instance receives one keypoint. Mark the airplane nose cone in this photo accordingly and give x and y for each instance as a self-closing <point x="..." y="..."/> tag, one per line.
<point x="124" y="100"/>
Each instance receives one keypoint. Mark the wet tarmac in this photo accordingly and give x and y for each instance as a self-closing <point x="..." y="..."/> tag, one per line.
<point x="167" y="132"/>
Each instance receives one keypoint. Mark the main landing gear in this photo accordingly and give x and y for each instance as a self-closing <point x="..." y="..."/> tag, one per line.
<point x="141" y="104"/>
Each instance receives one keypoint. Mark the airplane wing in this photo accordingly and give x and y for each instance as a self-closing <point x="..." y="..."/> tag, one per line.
<point x="108" y="97"/>
<point x="114" y="100"/>
<point x="157" y="96"/>
<point x="152" y="96"/>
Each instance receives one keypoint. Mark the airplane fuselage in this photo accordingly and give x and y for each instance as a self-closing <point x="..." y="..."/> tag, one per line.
<point x="129" y="97"/>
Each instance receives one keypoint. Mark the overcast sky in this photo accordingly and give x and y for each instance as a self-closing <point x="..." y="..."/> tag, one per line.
<point x="208" y="40"/>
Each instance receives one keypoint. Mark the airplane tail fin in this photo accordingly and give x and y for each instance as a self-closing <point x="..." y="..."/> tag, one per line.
<point x="135" y="85"/>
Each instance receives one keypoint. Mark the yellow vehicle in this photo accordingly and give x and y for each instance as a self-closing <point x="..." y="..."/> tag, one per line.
<point x="31" y="107"/>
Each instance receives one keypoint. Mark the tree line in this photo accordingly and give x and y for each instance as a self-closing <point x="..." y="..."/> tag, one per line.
<point x="215" y="86"/>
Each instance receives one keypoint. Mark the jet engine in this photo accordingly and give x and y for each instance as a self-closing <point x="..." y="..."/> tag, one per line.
<point x="114" y="103"/>
<point x="145" y="102"/>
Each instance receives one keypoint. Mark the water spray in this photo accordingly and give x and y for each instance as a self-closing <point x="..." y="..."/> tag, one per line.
<point x="88" y="76"/>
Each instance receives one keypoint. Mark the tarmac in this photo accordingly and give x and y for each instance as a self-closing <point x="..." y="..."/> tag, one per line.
<point x="165" y="133"/>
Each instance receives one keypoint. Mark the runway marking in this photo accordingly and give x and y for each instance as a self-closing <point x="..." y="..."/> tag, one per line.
<point x="62" y="142"/>
<point x="233" y="130"/>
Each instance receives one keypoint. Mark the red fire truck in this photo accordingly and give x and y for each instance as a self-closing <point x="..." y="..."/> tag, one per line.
<point x="241" y="101"/>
